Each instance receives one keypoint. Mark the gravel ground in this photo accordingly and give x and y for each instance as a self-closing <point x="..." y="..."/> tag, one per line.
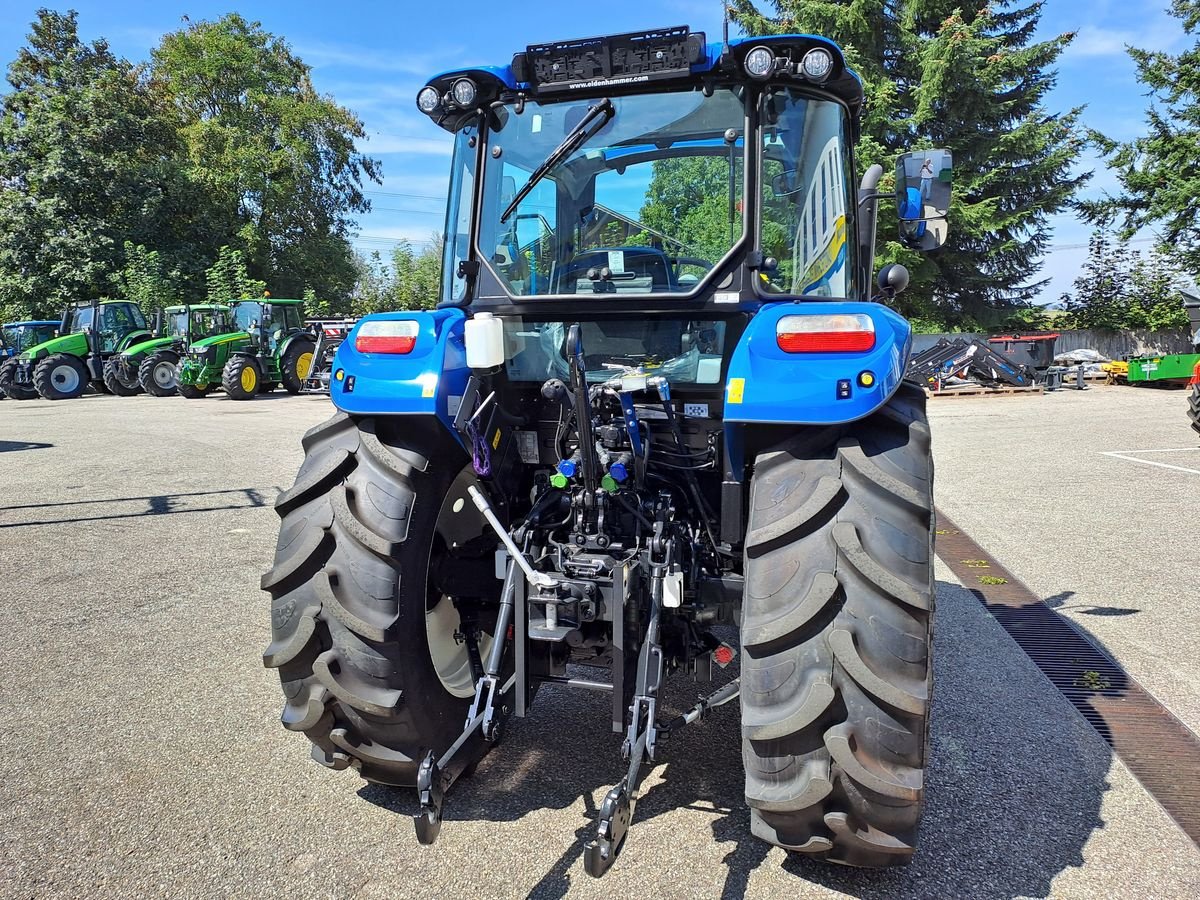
<point x="141" y="753"/>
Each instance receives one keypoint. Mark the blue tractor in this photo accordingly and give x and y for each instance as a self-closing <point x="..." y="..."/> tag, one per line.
<point x="659" y="400"/>
<point x="16" y="337"/>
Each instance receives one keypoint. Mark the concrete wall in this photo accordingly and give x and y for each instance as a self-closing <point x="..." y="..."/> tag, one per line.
<point x="1113" y="344"/>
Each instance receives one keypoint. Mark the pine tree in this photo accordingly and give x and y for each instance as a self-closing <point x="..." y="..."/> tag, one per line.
<point x="1160" y="172"/>
<point x="968" y="77"/>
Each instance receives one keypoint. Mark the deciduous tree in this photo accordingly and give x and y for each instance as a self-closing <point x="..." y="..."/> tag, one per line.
<point x="279" y="158"/>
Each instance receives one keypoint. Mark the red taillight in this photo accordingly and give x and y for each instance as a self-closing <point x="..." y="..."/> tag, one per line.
<point x="825" y="333"/>
<point x="386" y="336"/>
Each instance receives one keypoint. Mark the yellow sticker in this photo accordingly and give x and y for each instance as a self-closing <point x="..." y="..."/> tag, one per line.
<point x="428" y="383"/>
<point x="734" y="392"/>
<point x="496" y="439"/>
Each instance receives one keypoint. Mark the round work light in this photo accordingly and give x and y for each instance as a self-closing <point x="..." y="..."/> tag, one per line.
<point x="760" y="63"/>
<point x="464" y="92"/>
<point x="817" y="64"/>
<point x="427" y="100"/>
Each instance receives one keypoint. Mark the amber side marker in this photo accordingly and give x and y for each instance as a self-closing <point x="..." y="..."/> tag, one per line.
<point x="1162" y="752"/>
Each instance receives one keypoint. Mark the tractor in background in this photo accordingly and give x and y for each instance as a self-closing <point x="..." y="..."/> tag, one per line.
<point x="330" y="334"/>
<point x="150" y="366"/>
<point x="90" y="334"/>
<point x="268" y="346"/>
<point x="14" y="338"/>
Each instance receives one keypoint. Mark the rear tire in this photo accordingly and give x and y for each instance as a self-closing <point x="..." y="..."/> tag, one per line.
<point x="114" y="380"/>
<point x="8" y="383"/>
<point x="1193" y="408"/>
<point x="351" y="604"/>
<point x="60" y="376"/>
<point x="295" y="365"/>
<point x="159" y="373"/>
<point x="241" y="378"/>
<point x="836" y="637"/>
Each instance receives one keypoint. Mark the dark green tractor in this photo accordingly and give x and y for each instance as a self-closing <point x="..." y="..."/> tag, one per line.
<point x="151" y="365"/>
<point x="270" y="347"/>
<point x="90" y="335"/>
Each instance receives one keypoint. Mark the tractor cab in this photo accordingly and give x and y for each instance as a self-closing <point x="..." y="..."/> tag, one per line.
<point x="109" y="323"/>
<point x="15" y="337"/>
<point x="269" y="322"/>
<point x="188" y="323"/>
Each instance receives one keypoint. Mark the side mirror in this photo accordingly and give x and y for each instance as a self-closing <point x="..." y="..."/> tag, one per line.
<point x="924" y="179"/>
<point x="892" y="280"/>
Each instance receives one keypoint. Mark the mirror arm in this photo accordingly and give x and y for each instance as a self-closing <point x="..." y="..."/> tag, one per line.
<point x="862" y="201"/>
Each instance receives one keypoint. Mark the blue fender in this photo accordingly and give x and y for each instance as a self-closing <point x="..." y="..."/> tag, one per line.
<point x="429" y="380"/>
<point x="766" y="384"/>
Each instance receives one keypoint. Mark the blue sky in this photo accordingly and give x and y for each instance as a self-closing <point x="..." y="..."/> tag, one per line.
<point x="374" y="56"/>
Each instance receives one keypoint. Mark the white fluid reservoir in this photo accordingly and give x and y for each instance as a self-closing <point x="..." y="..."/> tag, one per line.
<point x="484" y="337"/>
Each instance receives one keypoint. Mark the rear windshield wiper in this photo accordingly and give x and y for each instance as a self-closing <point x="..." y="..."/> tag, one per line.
<point x="593" y="120"/>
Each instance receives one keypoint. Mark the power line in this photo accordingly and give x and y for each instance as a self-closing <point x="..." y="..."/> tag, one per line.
<point x="1055" y="247"/>
<point x="411" y="196"/>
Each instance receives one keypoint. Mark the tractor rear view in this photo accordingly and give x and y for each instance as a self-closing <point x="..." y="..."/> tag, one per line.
<point x="656" y="398"/>
<point x="89" y="335"/>
<point x="267" y="345"/>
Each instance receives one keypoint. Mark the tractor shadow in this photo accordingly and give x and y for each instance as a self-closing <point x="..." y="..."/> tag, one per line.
<point x="17" y="446"/>
<point x="1013" y="794"/>
<point x="155" y="505"/>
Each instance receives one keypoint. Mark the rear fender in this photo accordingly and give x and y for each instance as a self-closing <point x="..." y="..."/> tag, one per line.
<point x="768" y="385"/>
<point x="429" y="380"/>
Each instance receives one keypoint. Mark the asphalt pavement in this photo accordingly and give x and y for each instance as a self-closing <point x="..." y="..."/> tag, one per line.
<point x="140" y="751"/>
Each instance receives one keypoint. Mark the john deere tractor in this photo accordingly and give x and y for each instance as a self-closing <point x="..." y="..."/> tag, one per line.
<point x="14" y="338"/>
<point x="629" y="422"/>
<point x="89" y="335"/>
<point x="270" y="346"/>
<point x="151" y="365"/>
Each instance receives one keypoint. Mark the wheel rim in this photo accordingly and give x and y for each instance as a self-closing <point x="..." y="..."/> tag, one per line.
<point x="65" y="378"/>
<point x="303" y="365"/>
<point x="248" y="379"/>
<point x="450" y="659"/>
<point x="164" y="375"/>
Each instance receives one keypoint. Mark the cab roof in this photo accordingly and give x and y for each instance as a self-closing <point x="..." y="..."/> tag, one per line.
<point x="54" y="322"/>
<point x="680" y="57"/>
<point x="203" y="307"/>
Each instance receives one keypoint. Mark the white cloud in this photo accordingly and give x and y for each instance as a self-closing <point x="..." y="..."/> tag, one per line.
<point x="1093" y="41"/>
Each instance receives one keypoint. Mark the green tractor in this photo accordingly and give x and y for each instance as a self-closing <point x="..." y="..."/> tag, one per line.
<point x="271" y="346"/>
<point x="90" y="335"/>
<point x="150" y="366"/>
